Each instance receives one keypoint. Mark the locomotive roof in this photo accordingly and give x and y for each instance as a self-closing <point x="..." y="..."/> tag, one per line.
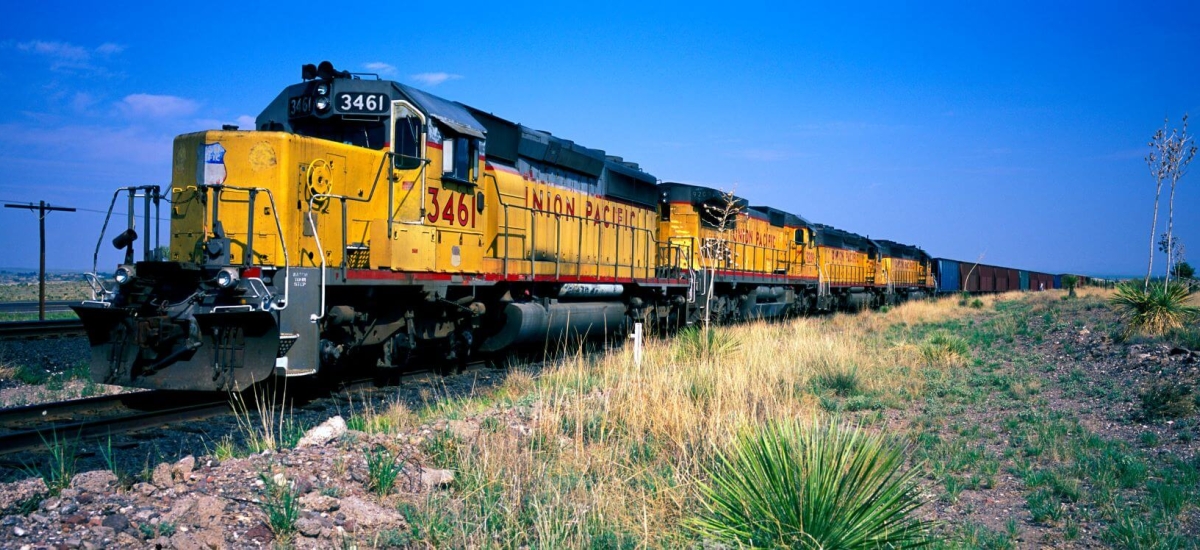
<point x="672" y="191"/>
<point x="894" y="249"/>
<point x="780" y="218"/>
<point x="827" y="235"/>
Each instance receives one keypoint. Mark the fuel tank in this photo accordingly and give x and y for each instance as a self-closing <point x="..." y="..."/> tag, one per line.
<point x="531" y="322"/>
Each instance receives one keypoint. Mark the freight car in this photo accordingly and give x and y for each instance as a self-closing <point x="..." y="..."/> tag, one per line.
<point x="365" y="222"/>
<point x="959" y="276"/>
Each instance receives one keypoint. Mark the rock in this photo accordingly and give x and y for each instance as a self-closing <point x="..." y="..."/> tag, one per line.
<point x="366" y="514"/>
<point x="17" y="531"/>
<point x="259" y="533"/>
<point x="116" y="522"/>
<point x="73" y="542"/>
<point x="187" y="541"/>
<point x="182" y="511"/>
<point x="324" y="433"/>
<point x="463" y="429"/>
<point x="433" y="478"/>
<point x="145" y="489"/>
<point x="51" y="503"/>
<point x="309" y="526"/>
<point x="97" y="481"/>
<point x="184" y="467"/>
<point x="162" y="476"/>
<point x="319" y="503"/>
<point x="21" y="491"/>
<point x="69" y="508"/>
<point x="208" y="508"/>
<point x="38" y="518"/>
<point x="75" y="519"/>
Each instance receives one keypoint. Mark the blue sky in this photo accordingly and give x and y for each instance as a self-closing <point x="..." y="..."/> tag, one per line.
<point x="1015" y="131"/>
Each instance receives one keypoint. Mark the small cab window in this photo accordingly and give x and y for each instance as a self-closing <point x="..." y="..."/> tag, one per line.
<point x="457" y="155"/>
<point x="407" y="145"/>
<point x="800" y="236"/>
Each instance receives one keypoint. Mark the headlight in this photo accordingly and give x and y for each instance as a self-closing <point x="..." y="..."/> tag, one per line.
<point x="322" y="89"/>
<point x="124" y="274"/>
<point x="322" y="103"/>
<point x="227" y="277"/>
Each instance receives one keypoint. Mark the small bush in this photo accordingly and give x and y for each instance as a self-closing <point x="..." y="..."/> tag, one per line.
<point x="697" y="342"/>
<point x="60" y="464"/>
<point x="1168" y="399"/>
<point x="977" y="304"/>
<point x="819" y="486"/>
<point x="281" y="504"/>
<point x="1154" y="310"/>
<point x="382" y="471"/>
<point x="841" y="381"/>
<point x="943" y="348"/>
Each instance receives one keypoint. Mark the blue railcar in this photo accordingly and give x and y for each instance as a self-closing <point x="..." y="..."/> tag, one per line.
<point x="1058" y="281"/>
<point x="947" y="276"/>
<point x="1024" y="280"/>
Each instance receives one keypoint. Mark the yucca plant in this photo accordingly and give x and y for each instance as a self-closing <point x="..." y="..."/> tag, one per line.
<point x="823" y="485"/>
<point x="708" y="343"/>
<point x="1154" y="309"/>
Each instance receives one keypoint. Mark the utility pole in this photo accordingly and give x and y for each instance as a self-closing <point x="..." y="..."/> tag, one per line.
<point x="42" y="209"/>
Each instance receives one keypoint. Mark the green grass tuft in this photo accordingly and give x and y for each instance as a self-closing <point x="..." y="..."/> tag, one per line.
<point x="1154" y="310"/>
<point x="821" y="486"/>
<point x="695" y="342"/>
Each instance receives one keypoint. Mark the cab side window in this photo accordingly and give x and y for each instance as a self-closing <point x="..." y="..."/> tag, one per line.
<point x="457" y="156"/>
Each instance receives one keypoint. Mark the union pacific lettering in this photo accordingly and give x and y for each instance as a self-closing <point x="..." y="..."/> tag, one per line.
<point x="550" y="203"/>
<point x="843" y="256"/>
<point x="752" y="237"/>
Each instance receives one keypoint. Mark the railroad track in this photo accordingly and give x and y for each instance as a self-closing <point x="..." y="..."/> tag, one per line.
<point x="25" y="330"/>
<point x="37" y="427"/>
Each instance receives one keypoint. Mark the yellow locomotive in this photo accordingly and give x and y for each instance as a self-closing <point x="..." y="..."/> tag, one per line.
<point x="363" y="221"/>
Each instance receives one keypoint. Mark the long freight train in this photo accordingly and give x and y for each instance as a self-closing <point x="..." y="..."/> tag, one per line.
<point x="364" y="221"/>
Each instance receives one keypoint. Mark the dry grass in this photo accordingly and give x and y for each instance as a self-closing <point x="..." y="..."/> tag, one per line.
<point x="613" y="447"/>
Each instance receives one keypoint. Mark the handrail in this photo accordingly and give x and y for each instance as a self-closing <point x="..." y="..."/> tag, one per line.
<point x="317" y="234"/>
<point x="147" y="196"/>
<point x="279" y="230"/>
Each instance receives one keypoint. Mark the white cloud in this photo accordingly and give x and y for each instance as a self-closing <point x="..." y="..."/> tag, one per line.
<point x="157" y="106"/>
<point x="381" y="68"/>
<point x="67" y="57"/>
<point x="245" y="122"/>
<point x="433" y="79"/>
<point x="82" y="102"/>
<point x="108" y="48"/>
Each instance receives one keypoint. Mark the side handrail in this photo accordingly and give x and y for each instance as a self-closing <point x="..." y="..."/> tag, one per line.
<point x="282" y="240"/>
<point x="342" y="199"/>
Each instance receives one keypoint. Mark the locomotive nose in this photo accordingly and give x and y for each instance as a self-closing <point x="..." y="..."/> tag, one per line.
<point x="228" y="350"/>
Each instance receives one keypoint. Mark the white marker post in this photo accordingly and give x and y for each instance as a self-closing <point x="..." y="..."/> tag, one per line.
<point x="637" y="344"/>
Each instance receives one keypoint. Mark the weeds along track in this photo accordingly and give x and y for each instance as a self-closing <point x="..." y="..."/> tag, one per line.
<point x="25" y="330"/>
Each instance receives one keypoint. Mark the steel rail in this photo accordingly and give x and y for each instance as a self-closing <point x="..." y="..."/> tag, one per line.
<point x="10" y="330"/>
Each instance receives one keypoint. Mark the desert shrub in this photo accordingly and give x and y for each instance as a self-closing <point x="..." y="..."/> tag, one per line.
<point x="842" y="381"/>
<point x="1167" y="399"/>
<point x="824" y="485"/>
<point x="382" y="470"/>
<point x="1069" y="282"/>
<point x="1156" y="309"/>
<point x="943" y="348"/>
<point x="698" y="342"/>
<point x="281" y="504"/>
